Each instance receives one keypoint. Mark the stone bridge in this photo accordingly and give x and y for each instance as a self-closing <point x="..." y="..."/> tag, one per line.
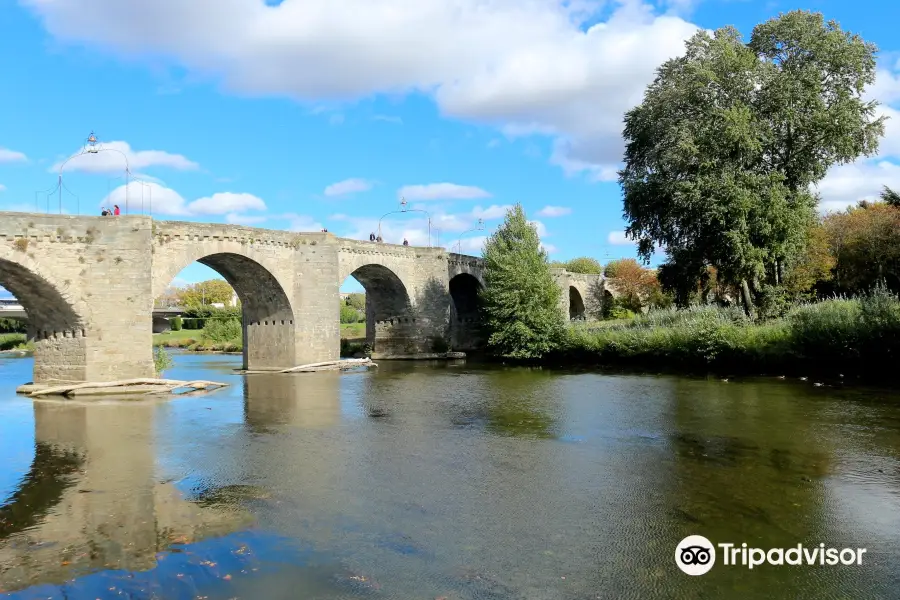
<point x="88" y="286"/>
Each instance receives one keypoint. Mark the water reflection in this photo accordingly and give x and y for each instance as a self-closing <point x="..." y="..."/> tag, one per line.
<point x="301" y="400"/>
<point x="91" y="500"/>
<point x="424" y="481"/>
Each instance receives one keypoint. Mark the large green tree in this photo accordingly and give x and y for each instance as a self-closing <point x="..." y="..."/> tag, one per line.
<point x="521" y="301"/>
<point x="721" y="153"/>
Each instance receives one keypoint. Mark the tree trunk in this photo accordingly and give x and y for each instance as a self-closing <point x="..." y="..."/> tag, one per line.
<point x="747" y="298"/>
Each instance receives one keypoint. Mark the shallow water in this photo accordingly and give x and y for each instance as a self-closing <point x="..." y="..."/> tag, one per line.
<point x="444" y="481"/>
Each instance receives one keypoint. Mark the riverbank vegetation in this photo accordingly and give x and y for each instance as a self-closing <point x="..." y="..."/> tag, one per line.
<point x="722" y="157"/>
<point x="15" y="341"/>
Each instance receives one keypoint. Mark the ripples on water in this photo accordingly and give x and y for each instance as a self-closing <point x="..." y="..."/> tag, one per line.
<point x="444" y="481"/>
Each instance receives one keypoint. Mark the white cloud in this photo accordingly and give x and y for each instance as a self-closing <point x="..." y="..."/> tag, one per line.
<point x="618" y="238"/>
<point x="845" y="185"/>
<point x="472" y="245"/>
<point x="554" y="211"/>
<point x="112" y="156"/>
<point x="549" y="248"/>
<point x="239" y="219"/>
<point x="7" y="156"/>
<point x="348" y="186"/>
<point x="848" y="184"/>
<point x="495" y="211"/>
<point x="540" y="67"/>
<point x="541" y="228"/>
<point x="301" y="222"/>
<point x="158" y="199"/>
<point x="442" y="191"/>
<point x="225" y="202"/>
<point x="2" y="188"/>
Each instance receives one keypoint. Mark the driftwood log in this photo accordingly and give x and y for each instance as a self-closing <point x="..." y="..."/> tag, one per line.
<point x="329" y="365"/>
<point x="163" y="386"/>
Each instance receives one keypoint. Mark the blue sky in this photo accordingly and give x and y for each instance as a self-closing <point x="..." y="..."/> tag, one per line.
<point x="303" y="115"/>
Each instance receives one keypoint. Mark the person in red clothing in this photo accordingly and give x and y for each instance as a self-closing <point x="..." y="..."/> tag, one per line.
<point x="116" y="209"/>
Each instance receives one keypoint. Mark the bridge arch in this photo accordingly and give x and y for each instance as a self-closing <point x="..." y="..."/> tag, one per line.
<point x="465" y="311"/>
<point x="267" y="314"/>
<point x="389" y="316"/>
<point x="57" y="319"/>
<point x="576" y="303"/>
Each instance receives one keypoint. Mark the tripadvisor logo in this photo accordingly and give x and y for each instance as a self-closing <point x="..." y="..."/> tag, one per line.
<point x="696" y="555"/>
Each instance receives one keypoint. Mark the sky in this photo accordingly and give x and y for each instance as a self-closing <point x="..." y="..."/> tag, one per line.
<point x="311" y="114"/>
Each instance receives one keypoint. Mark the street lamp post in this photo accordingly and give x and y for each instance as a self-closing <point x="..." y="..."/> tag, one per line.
<point x="404" y="209"/>
<point x="479" y="227"/>
<point x="92" y="147"/>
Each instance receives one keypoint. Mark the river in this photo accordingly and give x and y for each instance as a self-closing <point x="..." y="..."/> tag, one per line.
<point x="453" y="481"/>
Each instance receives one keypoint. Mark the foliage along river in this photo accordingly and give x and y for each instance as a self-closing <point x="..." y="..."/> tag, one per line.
<point x="422" y="481"/>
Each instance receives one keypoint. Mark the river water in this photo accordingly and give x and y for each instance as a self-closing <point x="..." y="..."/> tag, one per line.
<point x="454" y="481"/>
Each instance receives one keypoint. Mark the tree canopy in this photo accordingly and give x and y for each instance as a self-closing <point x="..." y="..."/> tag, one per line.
<point x="721" y="153"/>
<point x="205" y="292"/>
<point x="583" y="264"/>
<point x="521" y="301"/>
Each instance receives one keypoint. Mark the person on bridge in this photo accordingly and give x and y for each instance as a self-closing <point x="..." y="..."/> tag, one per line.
<point x="405" y="242"/>
<point x="372" y="237"/>
<point x="378" y="239"/>
<point x="116" y="210"/>
<point x="104" y="212"/>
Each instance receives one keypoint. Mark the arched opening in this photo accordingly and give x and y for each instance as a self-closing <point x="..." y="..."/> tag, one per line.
<point x="55" y="328"/>
<point x="389" y="325"/>
<point x="576" y="303"/>
<point x="229" y="302"/>
<point x="465" y="312"/>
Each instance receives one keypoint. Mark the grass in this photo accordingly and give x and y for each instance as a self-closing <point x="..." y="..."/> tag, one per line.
<point x="350" y="331"/>
<point x="854" y="336"/>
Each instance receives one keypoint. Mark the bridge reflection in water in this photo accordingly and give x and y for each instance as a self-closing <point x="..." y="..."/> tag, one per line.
<point x="91" y="500"/>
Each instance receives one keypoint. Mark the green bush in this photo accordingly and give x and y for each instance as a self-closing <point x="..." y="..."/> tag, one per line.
<point x="12" y="341"/>
<point x="13" y="326"/>
<point x="839" y="335"/>
<point x="222" y="330"/>
<point x="161" y="360"/>
<point x="349" y="314"/>
<point x="176" y="323"/>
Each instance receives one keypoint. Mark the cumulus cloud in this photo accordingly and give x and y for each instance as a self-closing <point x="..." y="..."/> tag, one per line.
<point x="348" y="186"/>
<point x="469" y="245"/>
<point x="540" y="227"/>
<point x="225" y="202"/>
<point x="112" y="157"/>
<point x="848" y="184"/>
<point x="301" y="222"/>
<point x="442" y="191"/>
<point x="618" y="238"/>
<point x="239" y="219"/>
<point x="495" y="211"/>
<point x="163" y="200"/>
<point x="554" y="211"/>
<point x="7" y="156"/>
<point x="551" y="67"/>
<point x="549" y="248"/>
<point x="845" y="185"/>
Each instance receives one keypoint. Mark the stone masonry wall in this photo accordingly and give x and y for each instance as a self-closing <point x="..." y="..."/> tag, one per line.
<point x="86" y="282"/>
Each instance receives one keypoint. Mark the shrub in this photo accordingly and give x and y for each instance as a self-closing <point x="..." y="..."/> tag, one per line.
<point x="161" y="360"/>
<point x="12" y="341"/>
<point x="13" y="326"/>
<point x="349" y="314"/>
<point x="222" y="330"/>
<point x="176" y="323"/>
